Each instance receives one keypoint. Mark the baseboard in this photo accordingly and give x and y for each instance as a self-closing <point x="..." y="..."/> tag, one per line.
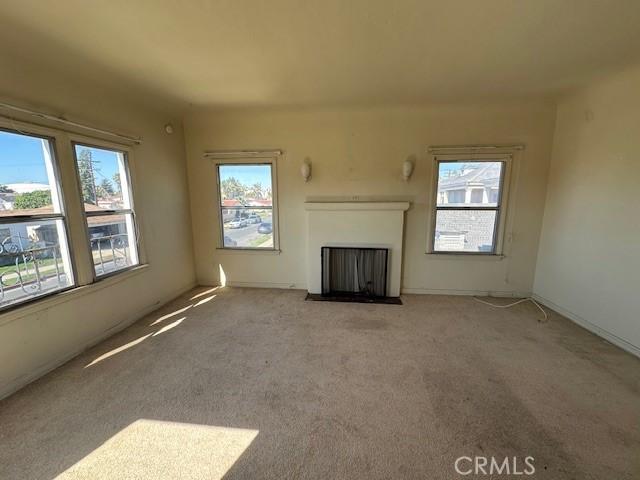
<point x="418" y="291"/>
<point x="480" y="293"/>
<point x="264" y="285"/>
<point x="411" y="291"/>
<point x="587" y="325"/>
<point x="25" y="380"/>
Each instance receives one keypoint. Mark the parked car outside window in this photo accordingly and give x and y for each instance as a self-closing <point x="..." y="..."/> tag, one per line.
<point x="254" y="218"/>
<point x="237" y="223"/>
<point x="265" y="227"/>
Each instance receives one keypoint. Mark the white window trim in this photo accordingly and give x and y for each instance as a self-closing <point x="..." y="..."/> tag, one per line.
<point x="269" y="160"/>
<point x="501" y="227"/>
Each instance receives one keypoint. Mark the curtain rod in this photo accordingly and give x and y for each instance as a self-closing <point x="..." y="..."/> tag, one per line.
<point x="64" y="121"/>
<point x="441" y="148"/>
<point x="222" y="154"/>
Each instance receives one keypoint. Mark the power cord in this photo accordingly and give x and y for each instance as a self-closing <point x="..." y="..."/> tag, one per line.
<point x="522" y="300"/>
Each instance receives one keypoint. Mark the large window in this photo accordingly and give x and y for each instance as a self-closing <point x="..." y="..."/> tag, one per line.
<point x="34" y="254"/>
<point x="108" y="207"/>
<point x="468" y="207"/>
<point x="247" y="207"/>
<point x="66" y="211"/>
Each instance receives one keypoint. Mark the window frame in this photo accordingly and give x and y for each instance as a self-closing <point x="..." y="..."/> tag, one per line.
<point x="126" y="151"/>
<point x="272" y="162"/>
<point x="501" y="205"/>
<point x="54" y="138"/>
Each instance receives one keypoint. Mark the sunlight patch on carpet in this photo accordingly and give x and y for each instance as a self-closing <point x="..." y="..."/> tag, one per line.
<point x="115" y="351"/>
<point x="169" y="315"/>
<point x="204" y="300"/>
<point x="202" y="294"/>
<point x="169" y="326"/>
<point x="164" y="450"/>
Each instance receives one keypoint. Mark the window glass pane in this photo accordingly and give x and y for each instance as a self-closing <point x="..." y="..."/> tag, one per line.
<point x="245" y="185"/>
<point x="464" y="230"/>
<point x="248" y="227"/>
<point x="112" y="239"/>
<point x="469" y="183"/>
<point x="27" y="176"/>
<point x="34" y="260"/>
<point x="103" y="178"/>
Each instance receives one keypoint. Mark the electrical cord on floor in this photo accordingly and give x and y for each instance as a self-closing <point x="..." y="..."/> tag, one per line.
<point x="522" y="300"/>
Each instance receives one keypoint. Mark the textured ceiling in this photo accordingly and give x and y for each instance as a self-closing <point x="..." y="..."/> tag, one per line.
<point x="325" y="52"/>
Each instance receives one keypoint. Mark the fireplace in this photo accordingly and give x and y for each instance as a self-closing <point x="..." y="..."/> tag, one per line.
<point x="336" y="230"/>
<point x="354" y="271"/>
<point x="354" y="274"/>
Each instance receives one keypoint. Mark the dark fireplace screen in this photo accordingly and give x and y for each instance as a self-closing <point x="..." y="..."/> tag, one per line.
<point x="354" y="271"/>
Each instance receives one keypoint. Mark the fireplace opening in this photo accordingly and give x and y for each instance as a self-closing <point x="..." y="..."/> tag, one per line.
<point x="354" y="271"/>
<point x="354" y="274"/>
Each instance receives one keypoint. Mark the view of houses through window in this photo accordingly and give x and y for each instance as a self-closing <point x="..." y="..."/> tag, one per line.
<point x="246" y="205"/>
<point x="34" y="257"/>
<point x="467" y="206"/>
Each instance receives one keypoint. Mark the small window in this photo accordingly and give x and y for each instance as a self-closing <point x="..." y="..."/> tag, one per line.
<point x="34" y="254"/>
<point x="247" y="212"/>
<point x="453" y="196"/>
<point x="106" y="191"/>
<point x="477" y="195"/>
<point x="468" y="206"/>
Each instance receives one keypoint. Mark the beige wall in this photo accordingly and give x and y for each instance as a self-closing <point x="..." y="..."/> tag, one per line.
<point x="589" y="259"/>
<point x="359" y="152"/>
<point x="36" y="338"/>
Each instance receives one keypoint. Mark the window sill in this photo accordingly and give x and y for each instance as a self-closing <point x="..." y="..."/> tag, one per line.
<point x="117" y="273"/>
<point x="252" y="251"/>
<point x="56" y="298"/>
<point x="492" y="257"/>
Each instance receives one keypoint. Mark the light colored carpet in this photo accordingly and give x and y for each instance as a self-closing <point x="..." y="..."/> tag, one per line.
<point x="247" y="383"/>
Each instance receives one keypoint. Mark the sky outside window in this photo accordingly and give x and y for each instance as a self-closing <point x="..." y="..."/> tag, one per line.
<point x="21" y="159"/>
<point x="247" y="174"/>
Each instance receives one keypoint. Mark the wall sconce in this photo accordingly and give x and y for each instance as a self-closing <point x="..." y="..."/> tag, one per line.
<point x="305" y="169"/>
<point x="407" y="169"/>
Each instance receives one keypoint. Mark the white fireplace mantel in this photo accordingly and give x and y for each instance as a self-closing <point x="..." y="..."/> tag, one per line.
<point x="355" y="224"/>
<point x="334" y="206"/>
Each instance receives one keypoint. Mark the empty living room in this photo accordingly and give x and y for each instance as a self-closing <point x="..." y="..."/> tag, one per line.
<point x="339" y="239"/>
